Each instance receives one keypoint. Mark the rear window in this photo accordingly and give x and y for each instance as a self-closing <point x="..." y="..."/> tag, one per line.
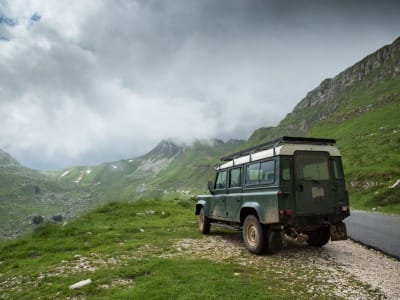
<point x="337" y="168"/>
<point x="312" y="166"/>
<point x="285" y="169"/>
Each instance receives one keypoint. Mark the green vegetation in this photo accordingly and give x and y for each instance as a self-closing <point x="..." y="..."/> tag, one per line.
<point x="365" y="120"/>
<point x="360" y="108"/>
<point x="367" y="130"/>
<point x="132" y="251"/>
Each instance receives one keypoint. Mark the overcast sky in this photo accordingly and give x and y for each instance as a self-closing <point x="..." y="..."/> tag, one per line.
<point x="83" y="82"/>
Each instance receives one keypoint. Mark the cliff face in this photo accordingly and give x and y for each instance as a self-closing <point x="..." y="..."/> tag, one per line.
<point x="383" y="63"/>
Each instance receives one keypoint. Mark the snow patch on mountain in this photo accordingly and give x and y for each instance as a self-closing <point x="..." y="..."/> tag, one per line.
<point x="82" y="174"/>
<point x="65" y="173"/>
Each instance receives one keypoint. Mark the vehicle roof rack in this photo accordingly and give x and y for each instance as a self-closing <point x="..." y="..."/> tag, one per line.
<point x="278" y="141"/>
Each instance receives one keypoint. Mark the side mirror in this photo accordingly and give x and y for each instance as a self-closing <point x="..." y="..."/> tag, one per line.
<point x="211" y="187"/>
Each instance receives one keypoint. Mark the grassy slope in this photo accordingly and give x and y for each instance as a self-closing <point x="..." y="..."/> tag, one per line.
<point x="129" y="252"/>
<point x="189" y="171"/>
<point x="367" y="130"/>
<point x="25" y="192"/>
<point x="365" y="120"/>
<point x="194" y="167"/>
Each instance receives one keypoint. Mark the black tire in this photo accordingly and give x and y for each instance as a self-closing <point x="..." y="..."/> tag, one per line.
<point x="274" y="241"/>
<point x="204" y="222"/>
<point x="319" y="237"/>
<point x="253" y="235"/>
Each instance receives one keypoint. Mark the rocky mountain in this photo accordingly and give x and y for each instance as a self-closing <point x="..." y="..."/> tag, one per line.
<point x="30" y="197"/>
<point x="373" y="68"/>
<point x="169" y="170"/>
<point x="7" y="161"/>
<point x="373" y="80"/>
<point x="360" y="107"/>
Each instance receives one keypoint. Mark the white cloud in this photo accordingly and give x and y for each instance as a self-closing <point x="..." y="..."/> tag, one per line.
<point x="101" y="80"/>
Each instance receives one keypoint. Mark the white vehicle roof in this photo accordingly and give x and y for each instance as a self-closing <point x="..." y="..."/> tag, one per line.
<point x="281" y="146"/>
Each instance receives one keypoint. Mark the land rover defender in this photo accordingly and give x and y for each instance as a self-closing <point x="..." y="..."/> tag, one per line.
<point x="289" y="188"/>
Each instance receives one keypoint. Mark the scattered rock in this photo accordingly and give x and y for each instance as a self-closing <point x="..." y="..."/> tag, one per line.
<point x="80" y="284"/>
<point x="57" y="218"/>
<point x="396" y="184"/>
<point x="37" y="220"/>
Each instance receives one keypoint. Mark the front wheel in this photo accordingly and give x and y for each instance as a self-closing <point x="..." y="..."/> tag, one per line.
<point x="319" y="237"/>
<point x="204" y="222"/>
<point x="253" y="235"/>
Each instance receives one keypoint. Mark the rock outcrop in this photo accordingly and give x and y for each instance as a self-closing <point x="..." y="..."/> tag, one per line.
<point x="386" y="60"/>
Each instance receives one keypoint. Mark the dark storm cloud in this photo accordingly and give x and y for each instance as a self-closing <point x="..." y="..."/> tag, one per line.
<point x="84" y="82"/>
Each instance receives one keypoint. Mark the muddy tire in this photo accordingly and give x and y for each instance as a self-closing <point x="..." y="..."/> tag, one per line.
<point x="319" y="237"/>
<point x="253" y="235"/>
<point x="204" y="222"/>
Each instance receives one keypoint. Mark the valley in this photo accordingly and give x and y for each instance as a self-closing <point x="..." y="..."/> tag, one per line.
<point x="360" y="108"/>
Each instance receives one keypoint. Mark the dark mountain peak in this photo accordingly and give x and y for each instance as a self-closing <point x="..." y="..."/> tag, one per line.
<point x="167" y="148"/>
<point x="6" y="160"/>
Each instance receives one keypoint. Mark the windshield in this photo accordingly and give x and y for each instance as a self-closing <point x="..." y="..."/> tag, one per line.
<point x="312" y="166"/>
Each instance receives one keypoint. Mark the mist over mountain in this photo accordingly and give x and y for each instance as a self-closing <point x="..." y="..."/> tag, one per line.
<point x="359" y="107"/>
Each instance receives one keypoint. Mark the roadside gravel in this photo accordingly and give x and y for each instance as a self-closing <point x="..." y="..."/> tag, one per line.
<point x="339" y="269"/>
<point x="368" y="265"/>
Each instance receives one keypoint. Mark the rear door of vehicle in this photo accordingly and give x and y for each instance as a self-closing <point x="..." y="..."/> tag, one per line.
<point x="313" y="183"/>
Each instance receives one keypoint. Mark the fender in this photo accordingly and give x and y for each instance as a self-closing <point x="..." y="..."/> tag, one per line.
<point x="266" y="214"/>
<point x="201" y="203"/>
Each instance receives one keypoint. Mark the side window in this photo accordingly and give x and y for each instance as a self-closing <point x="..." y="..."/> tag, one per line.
<point x="285" y="169"/>
<point x="252" y="173"/>
<point x="234" y="178"/>
<point x="267" y="172"/>
<point x="220" y="183"/>
<point x="260" y="173"/>
<point x="337" y="168"/>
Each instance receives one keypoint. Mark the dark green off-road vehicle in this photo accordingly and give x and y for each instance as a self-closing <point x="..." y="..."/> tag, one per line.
<point x="290" y="188"/>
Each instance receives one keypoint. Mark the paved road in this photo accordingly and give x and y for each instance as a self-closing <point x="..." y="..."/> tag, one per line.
<point x="377" y="230"/>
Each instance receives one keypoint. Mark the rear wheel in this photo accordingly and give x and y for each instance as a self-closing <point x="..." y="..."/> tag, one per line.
<point x="319" y="237"/>
<point x="253" y="235"/>
<point x="204" y="222"/>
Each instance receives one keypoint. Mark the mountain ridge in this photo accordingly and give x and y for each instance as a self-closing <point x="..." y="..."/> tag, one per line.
<point x="329" y="88"/>
<point x="330" y="96"/>
<point x="359" y="107"/>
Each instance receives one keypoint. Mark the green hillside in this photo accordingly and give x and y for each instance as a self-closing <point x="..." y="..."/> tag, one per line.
<point x="169" y="170"/>
<point x="370" y="145"/>
<point x="26" y="194"/>
<point x="153" y="250"/>
<point x="360" y="108"/>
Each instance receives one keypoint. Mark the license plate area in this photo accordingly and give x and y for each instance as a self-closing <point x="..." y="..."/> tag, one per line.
<point x="317" y="192"/>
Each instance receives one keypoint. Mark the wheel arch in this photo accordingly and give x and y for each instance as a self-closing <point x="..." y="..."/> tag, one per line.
<point x="249" y="209"/>
<point x="199" y="205"/>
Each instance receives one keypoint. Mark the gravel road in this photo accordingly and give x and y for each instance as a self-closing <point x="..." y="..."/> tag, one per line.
<point x="342" y="269"/>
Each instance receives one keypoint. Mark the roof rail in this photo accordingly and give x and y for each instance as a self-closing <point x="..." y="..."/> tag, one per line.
<point x="278" y="141"/>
